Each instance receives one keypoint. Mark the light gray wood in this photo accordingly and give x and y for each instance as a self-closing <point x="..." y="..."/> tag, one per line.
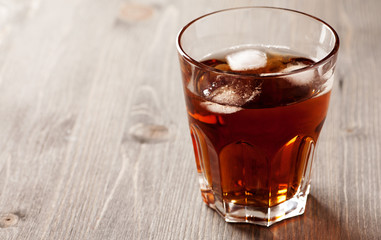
<point x="94" y="137"/>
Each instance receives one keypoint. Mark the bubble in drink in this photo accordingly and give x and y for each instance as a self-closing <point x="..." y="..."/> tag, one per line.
<point x="254" y="130"/>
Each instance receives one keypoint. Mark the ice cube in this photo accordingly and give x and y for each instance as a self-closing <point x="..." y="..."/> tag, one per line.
<point x="328" y="77"/>
<point x="248" y="59"/>
<point x="233" y="95"/>
<point x="235" y="92"/>
<point x="300" y="78"/>
<point x="219" y="108"/>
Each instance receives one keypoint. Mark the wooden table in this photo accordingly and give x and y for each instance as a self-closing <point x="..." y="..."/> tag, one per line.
<point x="94" y="136"/>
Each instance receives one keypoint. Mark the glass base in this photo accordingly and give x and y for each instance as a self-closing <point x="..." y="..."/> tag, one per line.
<point x="237" y="213"/>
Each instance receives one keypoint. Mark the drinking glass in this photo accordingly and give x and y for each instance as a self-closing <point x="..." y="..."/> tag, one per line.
<point x="254" y="154"/>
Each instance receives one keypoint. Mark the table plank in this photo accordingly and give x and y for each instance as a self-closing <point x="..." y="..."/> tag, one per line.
<point x="95" y="143"/>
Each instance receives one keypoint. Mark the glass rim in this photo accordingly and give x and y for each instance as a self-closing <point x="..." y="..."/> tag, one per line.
<point x="270" y="75"/>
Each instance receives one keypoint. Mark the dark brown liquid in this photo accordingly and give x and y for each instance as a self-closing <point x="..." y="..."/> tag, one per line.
<point x="254" y="142"/>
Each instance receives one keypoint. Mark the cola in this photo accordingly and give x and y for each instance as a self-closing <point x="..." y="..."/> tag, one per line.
<point x="254" y="129"/>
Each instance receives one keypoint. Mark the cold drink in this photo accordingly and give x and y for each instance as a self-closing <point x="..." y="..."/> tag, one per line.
<point x="256" y="108"/>
<point x="260" y="133"/>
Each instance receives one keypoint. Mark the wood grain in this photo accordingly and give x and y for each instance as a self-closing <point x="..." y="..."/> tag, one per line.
<point x="95" y="142"/>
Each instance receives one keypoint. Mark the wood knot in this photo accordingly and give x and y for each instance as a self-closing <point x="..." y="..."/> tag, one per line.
<point x="149" y="133"/>
<point x="341" y="83"/>
<point x="134" y="12"/>
<point x="8" y="220"/>
<point x="355" y="131"/>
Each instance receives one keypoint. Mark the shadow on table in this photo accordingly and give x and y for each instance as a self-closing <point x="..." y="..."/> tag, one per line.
<point x="318" y="222"/>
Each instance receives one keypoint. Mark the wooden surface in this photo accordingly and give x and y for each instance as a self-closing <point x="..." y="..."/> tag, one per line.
<point x="94" y="137"/>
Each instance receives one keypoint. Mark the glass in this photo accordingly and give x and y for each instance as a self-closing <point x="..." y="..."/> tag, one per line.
<point x="254" y="154"/>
